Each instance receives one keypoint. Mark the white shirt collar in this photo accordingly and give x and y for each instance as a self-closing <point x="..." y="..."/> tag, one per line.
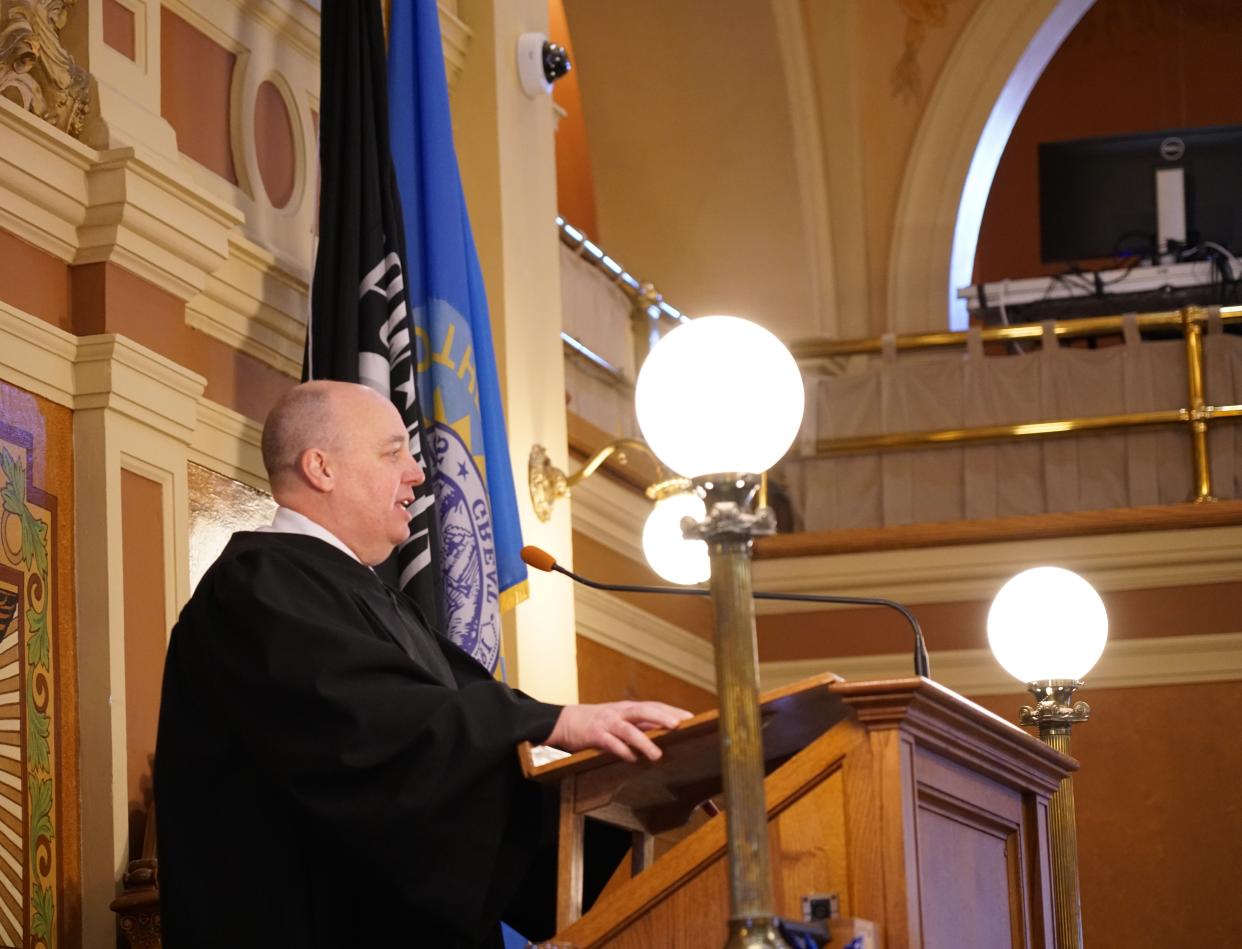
<point x="289" y="521"/>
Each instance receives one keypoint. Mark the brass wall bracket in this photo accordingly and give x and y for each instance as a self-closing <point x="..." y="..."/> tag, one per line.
<point x="549" y="483"/>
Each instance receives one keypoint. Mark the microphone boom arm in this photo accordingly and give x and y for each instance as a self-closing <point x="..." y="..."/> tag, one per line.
<point x="922" y="663"/>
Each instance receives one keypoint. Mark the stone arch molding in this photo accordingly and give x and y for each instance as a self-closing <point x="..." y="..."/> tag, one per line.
<point x="972" y="110"/>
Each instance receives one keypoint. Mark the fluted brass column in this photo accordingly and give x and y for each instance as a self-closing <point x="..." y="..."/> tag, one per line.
<point x="1054" y="715"/>
<point x="728" y="529"/>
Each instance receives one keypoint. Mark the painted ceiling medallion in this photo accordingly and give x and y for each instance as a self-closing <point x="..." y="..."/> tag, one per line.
<point x="921" y="15"/>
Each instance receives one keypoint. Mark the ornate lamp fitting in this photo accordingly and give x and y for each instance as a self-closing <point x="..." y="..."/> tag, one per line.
<point x="729" y="498"/>
<point x="1054" y="708"/>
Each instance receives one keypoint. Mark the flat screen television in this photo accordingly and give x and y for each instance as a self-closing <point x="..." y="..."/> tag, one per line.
<point x="1097" y="196"/>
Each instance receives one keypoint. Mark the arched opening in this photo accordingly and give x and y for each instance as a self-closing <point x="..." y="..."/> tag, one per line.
<point x="974" y="106"/>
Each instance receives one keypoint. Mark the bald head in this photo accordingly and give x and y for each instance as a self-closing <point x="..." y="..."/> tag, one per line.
<point x="307" y="416"/>
<point x="339" y="454"/>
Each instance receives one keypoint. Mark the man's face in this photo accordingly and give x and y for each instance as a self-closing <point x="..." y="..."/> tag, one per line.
<point x="375" y="476"/>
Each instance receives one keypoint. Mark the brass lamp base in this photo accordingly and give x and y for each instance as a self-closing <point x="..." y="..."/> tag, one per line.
<point x="754" y="933"/>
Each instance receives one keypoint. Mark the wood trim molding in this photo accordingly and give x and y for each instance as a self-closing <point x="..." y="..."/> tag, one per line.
<point x="1126" y="663"/>
<point x="1129" y="561"/>
<point x="611" y="622"/>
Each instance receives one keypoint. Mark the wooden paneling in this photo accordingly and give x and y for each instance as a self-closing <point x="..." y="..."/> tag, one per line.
<point x="922" y="811"/>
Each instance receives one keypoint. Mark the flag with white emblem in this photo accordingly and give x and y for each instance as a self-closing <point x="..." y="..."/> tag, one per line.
<point x="360" y="328"/>
<point x="457" y="380"/>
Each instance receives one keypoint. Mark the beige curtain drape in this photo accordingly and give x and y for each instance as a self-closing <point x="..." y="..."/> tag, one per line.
<point x="1074" y="473"/>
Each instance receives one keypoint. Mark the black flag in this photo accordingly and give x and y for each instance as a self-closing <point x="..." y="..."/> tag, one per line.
<point x="360" y="330"/>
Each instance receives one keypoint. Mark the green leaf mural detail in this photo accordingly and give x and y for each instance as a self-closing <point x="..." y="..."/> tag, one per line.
<point x="13" y="496"/>
<point x="41" y="808"/>
<point x="40" y="781"/>
<point x="43" y="914"/>
<point x="38" y="727"/>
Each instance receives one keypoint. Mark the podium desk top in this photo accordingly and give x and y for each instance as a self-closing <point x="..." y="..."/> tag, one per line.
<point x="689" y="771"/>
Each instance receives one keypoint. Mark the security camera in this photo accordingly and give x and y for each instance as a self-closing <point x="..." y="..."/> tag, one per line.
<point x="540" y="63"/>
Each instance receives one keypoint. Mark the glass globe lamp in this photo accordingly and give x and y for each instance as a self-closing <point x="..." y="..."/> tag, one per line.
<point x="719" y="395"/>
<point x="1047" y="624"/>
<point x="719" y="401"/>
<point x="668" y="552"/>
<point x="1047" y="627"/>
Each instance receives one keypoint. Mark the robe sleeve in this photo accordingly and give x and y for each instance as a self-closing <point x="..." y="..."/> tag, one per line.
<point x="339" y="717"/>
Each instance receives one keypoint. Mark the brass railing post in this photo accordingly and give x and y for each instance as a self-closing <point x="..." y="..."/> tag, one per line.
<point x="1192" y="318"/>
<point x="644" y="329"/>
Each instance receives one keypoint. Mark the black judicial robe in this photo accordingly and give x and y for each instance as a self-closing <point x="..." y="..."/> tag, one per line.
<point x="330" y="773"/>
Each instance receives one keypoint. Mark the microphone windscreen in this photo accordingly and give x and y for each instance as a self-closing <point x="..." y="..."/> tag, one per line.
<point x="538" y="558"/>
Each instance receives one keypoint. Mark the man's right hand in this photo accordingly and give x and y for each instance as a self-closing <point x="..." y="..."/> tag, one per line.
<point x="616" y="727"/>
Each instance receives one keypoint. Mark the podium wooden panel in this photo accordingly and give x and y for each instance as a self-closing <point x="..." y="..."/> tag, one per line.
<point x="925" y="812"/>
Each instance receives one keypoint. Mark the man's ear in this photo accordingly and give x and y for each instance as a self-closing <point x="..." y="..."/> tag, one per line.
<point x="316" y="468"/>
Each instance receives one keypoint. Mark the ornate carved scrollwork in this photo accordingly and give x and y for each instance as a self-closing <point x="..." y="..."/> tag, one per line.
<point x="36" y="71"/>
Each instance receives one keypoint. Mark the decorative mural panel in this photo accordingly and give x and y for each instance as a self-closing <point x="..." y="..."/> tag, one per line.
<point x="29" y="845"/>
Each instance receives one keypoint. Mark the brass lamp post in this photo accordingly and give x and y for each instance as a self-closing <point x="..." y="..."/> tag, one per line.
<point x="719" y="401"/>
<point x="1047" y="627"/>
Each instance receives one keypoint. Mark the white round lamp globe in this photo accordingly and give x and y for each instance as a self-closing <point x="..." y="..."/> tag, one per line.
<point x="1047" y="623"/>
<point x="668" y="552"/>
<point x="719" y="395"/>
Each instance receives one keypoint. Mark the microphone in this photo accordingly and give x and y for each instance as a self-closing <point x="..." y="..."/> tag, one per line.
<point x="542" y="560"/>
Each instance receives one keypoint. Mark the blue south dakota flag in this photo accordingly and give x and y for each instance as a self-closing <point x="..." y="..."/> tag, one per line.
<point x="456" y="370"/>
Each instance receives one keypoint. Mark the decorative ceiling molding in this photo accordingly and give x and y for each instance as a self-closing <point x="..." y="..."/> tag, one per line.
<point x="256" y="305"/>
<point x="1126" y="663"/>
<point x="921" y="15"/>
<point x="991" y="69"/>
<point x="115" y="373"/>
<point x="152" y="220"/>
<point x="36" y="356"/>
<point x="123" y="205"/>
<point x="804" y="111"/>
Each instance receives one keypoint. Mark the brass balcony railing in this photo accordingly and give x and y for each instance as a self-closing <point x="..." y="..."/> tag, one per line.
<point x="1197" y="414"/>
<point x="651" y="315"/>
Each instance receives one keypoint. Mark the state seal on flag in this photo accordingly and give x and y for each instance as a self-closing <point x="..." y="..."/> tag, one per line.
<point x="471" y="582"/>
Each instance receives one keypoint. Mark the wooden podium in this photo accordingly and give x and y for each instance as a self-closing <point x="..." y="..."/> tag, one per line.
<point x="925" y="813"/>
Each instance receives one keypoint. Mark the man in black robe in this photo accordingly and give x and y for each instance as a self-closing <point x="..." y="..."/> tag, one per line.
<point x="329" y="771"/>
